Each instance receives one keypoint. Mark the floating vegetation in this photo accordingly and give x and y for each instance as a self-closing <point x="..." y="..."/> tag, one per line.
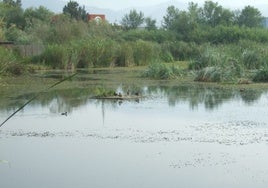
<point x="103" y="92"/>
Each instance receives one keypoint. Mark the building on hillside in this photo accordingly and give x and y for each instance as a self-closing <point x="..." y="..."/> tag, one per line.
<point x="265" y="22"/>
<point x="96" y="17"/>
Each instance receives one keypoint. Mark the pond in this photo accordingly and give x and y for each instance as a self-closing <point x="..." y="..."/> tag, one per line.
<point x="175" y="135"/>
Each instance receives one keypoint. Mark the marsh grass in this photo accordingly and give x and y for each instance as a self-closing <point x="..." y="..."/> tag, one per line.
<point x="217" y="65"/>
<point x="162" y="71"/>
<point x="261" y="75"/>
<point x="103" y="92"/>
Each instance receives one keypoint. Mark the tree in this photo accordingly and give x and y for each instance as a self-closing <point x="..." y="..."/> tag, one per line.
<point x="171" y="15"/>
<point x="13" y="3"/>
<point x="181" y="22"/>
<point x="250" y="17"/>
<point x="211" y="13"/>
<point x="132" y="20"/>
<point x="194" y="12"/>
<point x="12" y="13"/>
<point x="41" y="14"/>
<point x="150" y="24"/>
<point x="75" y="11"/>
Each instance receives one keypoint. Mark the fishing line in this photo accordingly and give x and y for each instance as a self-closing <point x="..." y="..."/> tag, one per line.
<point x="34" y="97"/>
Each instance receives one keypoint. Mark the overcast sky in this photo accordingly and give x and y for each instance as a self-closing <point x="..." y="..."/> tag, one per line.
<point x="121" y="4"/>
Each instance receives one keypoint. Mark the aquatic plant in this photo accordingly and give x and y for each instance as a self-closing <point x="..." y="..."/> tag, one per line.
<point x="103" y="92"/>
<point x="251" y="59"/>
<point x="145" y="52"/>
<point x="261" y="75"/>
<point x="161" y="71"/>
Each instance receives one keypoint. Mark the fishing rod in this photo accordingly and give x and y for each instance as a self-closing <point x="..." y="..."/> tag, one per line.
<point x="34" y="97"/>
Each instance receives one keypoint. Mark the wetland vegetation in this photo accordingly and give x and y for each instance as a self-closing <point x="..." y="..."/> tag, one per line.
<point x="211" y="43"/>
<point x="203" y="74"/>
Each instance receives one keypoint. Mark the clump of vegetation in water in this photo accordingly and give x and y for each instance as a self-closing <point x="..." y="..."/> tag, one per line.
<point x="162" y="71"/>
<point x="213" y="66"/>
<point x="102" y="92"/>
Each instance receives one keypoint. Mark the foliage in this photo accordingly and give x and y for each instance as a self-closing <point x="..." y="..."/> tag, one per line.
<point x="103" y="92"/>
<point x="159" y="35"/>
<point x="216" y="65"/>
<point x="64" y="30"/>
<point x="220" y="44"/>
<point x="132" y="20"/>
<point x="75" y="11"/>
<point x="13" y="3"/>
<point x="170" y="17"/>
<point x="9" y="64"/>
<point x="251" y="59"/>
<point x="96" y="52"/>
<point x="209" y="74"/>
<point x="212" y="14"/>
<point x="12" y="13"/>
<point x="261" y="75"/>
<point x="150" y="24"/>
<point x="54" y="56"/>
<point x="161" y="71"/>
<point x="145" y="52"/>
<point x="250" y="17"/>
<point x="125" y="55"/>
<point x="41" y="13"/>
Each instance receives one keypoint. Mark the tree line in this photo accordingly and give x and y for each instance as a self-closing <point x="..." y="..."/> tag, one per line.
<point x="203" y="36"/>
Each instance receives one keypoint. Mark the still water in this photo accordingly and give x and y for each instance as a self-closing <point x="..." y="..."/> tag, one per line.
<point x="174" y="136"/>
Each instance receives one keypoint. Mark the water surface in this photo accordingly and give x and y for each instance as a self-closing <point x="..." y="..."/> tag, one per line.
<point x="175" y="136"/>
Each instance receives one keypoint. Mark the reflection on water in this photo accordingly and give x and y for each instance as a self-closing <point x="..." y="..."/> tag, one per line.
<point x="165" y="139"/>
<point x="65" y="100"/>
